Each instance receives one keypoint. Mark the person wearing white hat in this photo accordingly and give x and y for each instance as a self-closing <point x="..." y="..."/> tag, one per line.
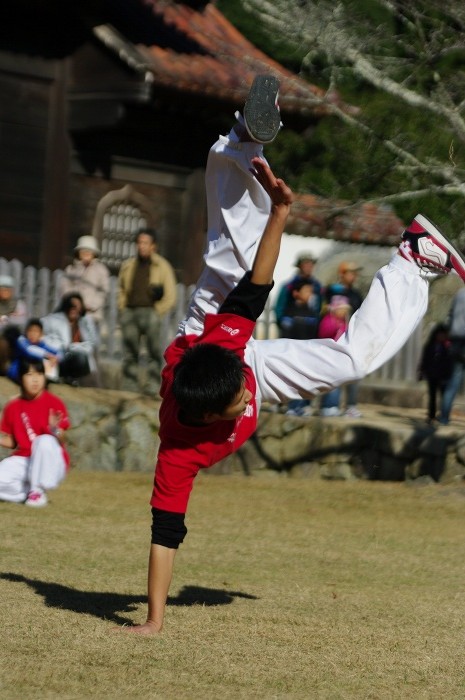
<point x="13" y="316"/>
<point x="88" y="276"/>
<point x="12" y="310"/>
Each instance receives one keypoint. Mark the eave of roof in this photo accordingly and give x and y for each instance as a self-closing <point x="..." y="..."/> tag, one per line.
<point x="217" y="60"/>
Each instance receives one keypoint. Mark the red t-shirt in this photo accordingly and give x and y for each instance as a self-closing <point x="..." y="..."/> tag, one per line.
<point x="25" y="419"/>
<point x="186" y="449"/>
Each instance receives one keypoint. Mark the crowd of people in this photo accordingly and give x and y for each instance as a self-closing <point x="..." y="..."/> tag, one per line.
<point x="67" y="339"/>
<point x="306" y="309"/>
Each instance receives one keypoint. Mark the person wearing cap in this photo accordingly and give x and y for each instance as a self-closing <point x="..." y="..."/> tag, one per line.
<point x="12" y="310"/>
<point x="13" y="317"/>
<point x="87" y="276"/>
<point x="304" y="263"/>
<point x="345" y="286"/>
<point x="293" y="320"/>
<point x="333" y="325"/>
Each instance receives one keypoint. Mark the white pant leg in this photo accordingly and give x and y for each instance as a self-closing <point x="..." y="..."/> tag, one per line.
<point x="47" y="466"/>
<point x="14" y="483"/>
<point x="238" y="210"/>
<point x="289" y="369"/>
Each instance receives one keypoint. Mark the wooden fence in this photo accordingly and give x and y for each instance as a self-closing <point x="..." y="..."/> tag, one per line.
<point x="39" y="289"/>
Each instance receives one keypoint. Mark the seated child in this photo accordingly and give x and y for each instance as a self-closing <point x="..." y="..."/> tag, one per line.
<point x="299" y="320"/>
<point x="333" y="324"/>
<point x="32" y="425"/>
<point x="216" y="375"/>
<point x="32" y="346"/>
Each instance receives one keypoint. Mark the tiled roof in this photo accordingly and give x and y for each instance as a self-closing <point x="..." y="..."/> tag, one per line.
<point x="199" y="51"/>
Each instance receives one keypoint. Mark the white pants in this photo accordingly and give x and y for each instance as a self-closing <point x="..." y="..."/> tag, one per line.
<point x="45" y="469"/>
<point x="238" y="209"/>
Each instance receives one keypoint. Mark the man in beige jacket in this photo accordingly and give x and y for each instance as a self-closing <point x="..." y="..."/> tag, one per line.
<point x="146" y="292"/>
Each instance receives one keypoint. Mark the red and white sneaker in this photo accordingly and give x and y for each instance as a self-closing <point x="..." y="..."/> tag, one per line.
<point x="36" y="498"/>
<point x="261" y="111"/>
<point x="430" y="249"/>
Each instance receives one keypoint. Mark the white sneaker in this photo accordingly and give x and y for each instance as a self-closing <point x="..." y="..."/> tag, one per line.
<point x="431" y="250"/>
<point x="353" y="412"/>
<point x="328" y="412"/>
<point x="36" y="498"/>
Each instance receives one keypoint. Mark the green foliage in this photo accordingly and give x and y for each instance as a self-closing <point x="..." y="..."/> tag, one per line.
<point x="251" y="26"/>
<point x="339" y="161"/>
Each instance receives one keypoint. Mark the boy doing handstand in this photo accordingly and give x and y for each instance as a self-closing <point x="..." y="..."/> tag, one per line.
<point x="216" y="375"/>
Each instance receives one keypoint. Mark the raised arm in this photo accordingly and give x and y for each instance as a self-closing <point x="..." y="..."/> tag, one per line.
<point x="281" y="199"/>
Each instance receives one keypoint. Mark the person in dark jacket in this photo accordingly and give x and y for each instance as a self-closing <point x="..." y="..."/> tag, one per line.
<point x="436" y="366"/>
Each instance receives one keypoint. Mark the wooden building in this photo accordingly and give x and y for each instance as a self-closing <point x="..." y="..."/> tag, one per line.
<point x="99" y="97"/>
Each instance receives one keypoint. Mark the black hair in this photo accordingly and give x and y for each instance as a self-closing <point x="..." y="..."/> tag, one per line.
<point x="297" y="285"/>
<point x="26" y="364"/>
<point x="147" y="231"/>
<point x="66" y="302"/>
<point x="34" y="322"/>
<point x="207" y="380"/>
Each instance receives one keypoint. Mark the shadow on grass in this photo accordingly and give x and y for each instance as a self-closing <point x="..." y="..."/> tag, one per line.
<point x="107" y="606"/>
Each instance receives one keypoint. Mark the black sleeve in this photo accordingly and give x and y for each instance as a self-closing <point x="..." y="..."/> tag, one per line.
<point x="168" y="529"/>
<point x="246" y="299"/>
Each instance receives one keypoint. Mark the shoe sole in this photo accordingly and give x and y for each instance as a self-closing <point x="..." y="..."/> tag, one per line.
<point x="457" y="261"/>
<point x="261" y="114"/>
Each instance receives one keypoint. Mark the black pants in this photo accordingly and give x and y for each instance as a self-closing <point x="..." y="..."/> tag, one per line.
<point x="74" y="365"/>
<point x="434" y="386"/>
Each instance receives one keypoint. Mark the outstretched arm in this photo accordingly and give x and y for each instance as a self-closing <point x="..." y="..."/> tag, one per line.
<point x="159" y="578"/>
<point x="281" y="199"/>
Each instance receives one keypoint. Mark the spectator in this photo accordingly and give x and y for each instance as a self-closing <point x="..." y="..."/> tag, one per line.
<point x="299" y="321"/>
<point x="456" y="323"/>
<point x="345" y="286"/>
<point x="436" y="366"/>
<point x="332" y="325"/>
<point x="73" y="333"/>
<point x="304" y="263"/>
<point x="89" y="277"/>
<point x="13" y="316"/>
<point x="33" y="424"/>
<point x="147" y="291"/>
<point x="32" y="346"/>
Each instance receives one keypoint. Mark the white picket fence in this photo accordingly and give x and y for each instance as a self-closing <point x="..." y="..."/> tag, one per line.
<point x="39" y="289"/>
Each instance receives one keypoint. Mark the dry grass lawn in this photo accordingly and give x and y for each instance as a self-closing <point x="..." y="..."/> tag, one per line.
<point x="284" y="588"/>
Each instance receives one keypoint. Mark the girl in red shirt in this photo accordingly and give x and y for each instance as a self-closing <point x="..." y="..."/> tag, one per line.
<point x="32" y="425"/>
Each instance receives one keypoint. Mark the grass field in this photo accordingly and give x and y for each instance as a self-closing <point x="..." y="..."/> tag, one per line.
<point x="284" y="588"/>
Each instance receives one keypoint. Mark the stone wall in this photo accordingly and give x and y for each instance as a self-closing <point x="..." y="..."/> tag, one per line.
<point x="118" y="431"/>
<point x="111" y="430"/>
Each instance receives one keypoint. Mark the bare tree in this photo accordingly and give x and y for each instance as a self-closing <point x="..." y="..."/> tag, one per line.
<point x="411" y="50"/>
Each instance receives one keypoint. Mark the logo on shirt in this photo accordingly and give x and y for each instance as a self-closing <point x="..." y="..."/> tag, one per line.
<point x="228" y="329"/>
<point x="248" y="411"/>
<point x="28" y="427"/>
